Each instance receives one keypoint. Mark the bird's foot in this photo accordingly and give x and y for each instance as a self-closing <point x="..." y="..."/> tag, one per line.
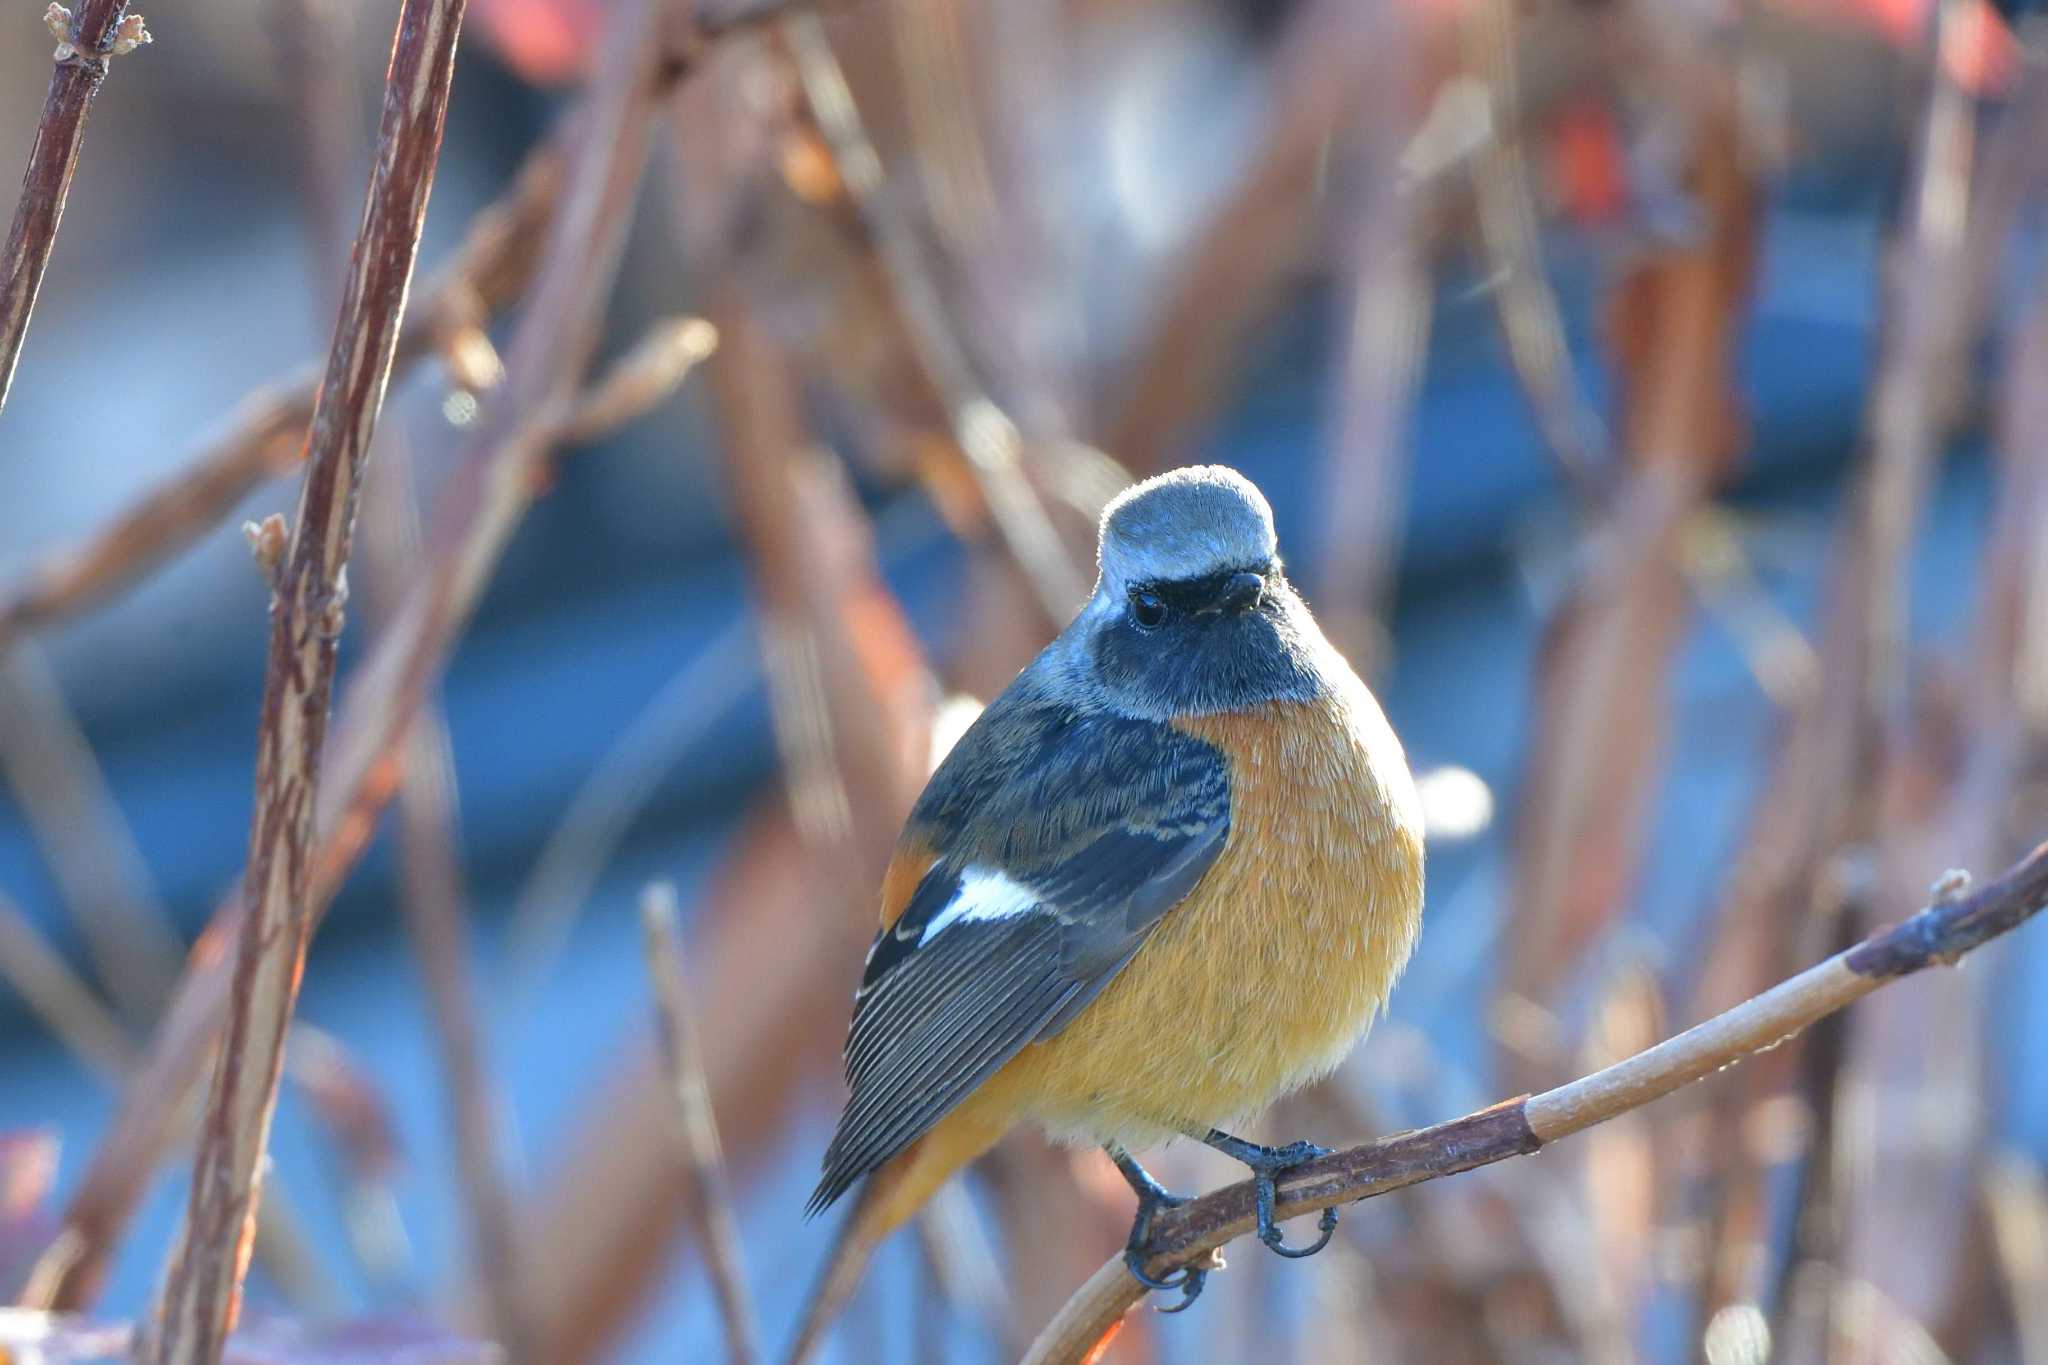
<point x="1152" y="1197"/>
<point x="1268" y="1165"/>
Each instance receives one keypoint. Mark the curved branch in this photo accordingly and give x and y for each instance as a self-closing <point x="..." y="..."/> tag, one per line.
<point x="1940" y="934"/>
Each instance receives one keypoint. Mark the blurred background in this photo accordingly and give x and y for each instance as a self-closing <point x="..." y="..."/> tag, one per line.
<point x="1653" y="397"/>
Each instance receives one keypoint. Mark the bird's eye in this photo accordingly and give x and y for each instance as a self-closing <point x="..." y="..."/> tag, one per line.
<point x="1148" y="609"/>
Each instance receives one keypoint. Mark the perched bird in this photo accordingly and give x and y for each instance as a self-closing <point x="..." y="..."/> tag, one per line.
<point x="1167" y="877"/>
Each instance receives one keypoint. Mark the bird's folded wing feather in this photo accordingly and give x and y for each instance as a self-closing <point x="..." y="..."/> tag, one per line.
<point x="1045" y="849"/>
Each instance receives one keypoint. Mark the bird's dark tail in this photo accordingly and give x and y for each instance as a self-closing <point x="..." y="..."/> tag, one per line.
<point x="887" y="1199"/>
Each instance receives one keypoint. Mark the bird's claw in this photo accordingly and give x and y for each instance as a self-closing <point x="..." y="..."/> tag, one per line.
<point x="1152" y="1197"/>
<point x="1268" y="1165"/>
<point x="1188" y="1280"/>
<point x="1276" y="1241"/>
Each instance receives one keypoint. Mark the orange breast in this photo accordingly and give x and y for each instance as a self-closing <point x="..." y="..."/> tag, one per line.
<point x="1278" y="960"/>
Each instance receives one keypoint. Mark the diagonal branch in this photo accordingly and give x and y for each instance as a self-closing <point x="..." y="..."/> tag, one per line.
<point x="985" y="434"/>
<point x="262" y="438"/>
<point x="202" y="1288"/>
<point x="702" y="1161"/>
<point x="101" y="30"/>
<point x="1938" y="935"/>
<point x="489" y="493"/>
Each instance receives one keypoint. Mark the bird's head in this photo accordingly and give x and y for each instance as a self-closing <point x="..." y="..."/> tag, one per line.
<point x="1191" y="613"/>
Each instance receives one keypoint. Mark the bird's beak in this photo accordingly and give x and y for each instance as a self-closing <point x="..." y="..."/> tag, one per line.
<point x="1241" y="592"/>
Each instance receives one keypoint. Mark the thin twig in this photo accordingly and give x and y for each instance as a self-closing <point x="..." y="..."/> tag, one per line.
<point x="434" y="907"/>
<point x="264" y="437"/>
<point x="614" y="1201"/>
<point x="654" y="368"/>
<point x="1822" y="797"/>
<point x="2016" y="1204"/>
<point x="58" y="996"/>
<point x="601" y="173"/>
<point x="100" y="30"/>
<point x="985" y="434"/>
<point x="1388" y="313"/>
<point x="1181" y="366"/>
<point x="432" y="895"/>
<point x="1602" y="716"/>
<point x="58" y="785"/>
<point x="202" y="1287"/>
<point x="697" y="1126"/>
<point x="1531" y="321"/>
<point x="1939" y="935"/>
<point x="605" y="1211"/>
<point x="692" y="703"/>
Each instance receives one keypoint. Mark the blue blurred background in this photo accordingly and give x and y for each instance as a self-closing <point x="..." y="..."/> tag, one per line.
<point x="184" y="279"/>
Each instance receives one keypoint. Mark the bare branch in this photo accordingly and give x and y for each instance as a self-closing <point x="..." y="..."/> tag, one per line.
<point x="56" y="779"/>
<point x="100" y="30"/>
<point x="1601" y="716"/>
<point x="484" y="504"/>
<point x="262" y="438"/>
<point x="652" y="370"/>
<point x="697" y="1125"/>
<point x="64" y="1003"/>
<point x="984" y="433"/>
<point x="1531" y="320"/>
<point x="434" y="907"/>
<point x="1387" y="309"/>
<point x="202" y="1289"/>
<point x="694" y="702"/>
<point x="1939" y="935"/>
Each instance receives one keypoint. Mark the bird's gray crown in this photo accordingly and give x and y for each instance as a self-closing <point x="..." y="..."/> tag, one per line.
<point x="1184" y="524"/>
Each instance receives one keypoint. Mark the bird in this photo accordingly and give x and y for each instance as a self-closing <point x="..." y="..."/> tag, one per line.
<point x="1169" y="875"/>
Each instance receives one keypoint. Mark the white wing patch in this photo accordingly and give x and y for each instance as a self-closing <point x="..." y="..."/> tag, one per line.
<point x="985" y="893"/>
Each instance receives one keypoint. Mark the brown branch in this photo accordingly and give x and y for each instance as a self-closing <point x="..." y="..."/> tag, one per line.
<point x="202" y="1289"/>
<point x="1531" y="320"/>
<point x="434" y="905"/>
<point x="608" y="1208"/>
<point x="1821" y="799"/>
<point x="1388" y="312"/>
<point x="60" y="789"/>
<point x="484" y="504"/>
<point x="612" y="1205"/>
<point x="653" y="369"/>
<point x="697" y="1126"/>
<point x="1230" y="267"/>
<point x="263" y="437"/>
<point x="493" y="267"/>
<point x="101" y="29"/>
<point x="432" y="896"/>
<point x="59" y="997"/>
<point x="983" y="432"/>
<point x="1939" y="935"/>
<point x="1601" y="716"/>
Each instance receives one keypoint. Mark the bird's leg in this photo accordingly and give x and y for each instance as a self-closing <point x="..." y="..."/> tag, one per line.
<point x="1152" y="1197"/>
<point x="1268" y="1163"/>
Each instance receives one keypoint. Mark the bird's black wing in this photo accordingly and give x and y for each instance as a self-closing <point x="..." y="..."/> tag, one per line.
<point x="1057" y="840"/>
